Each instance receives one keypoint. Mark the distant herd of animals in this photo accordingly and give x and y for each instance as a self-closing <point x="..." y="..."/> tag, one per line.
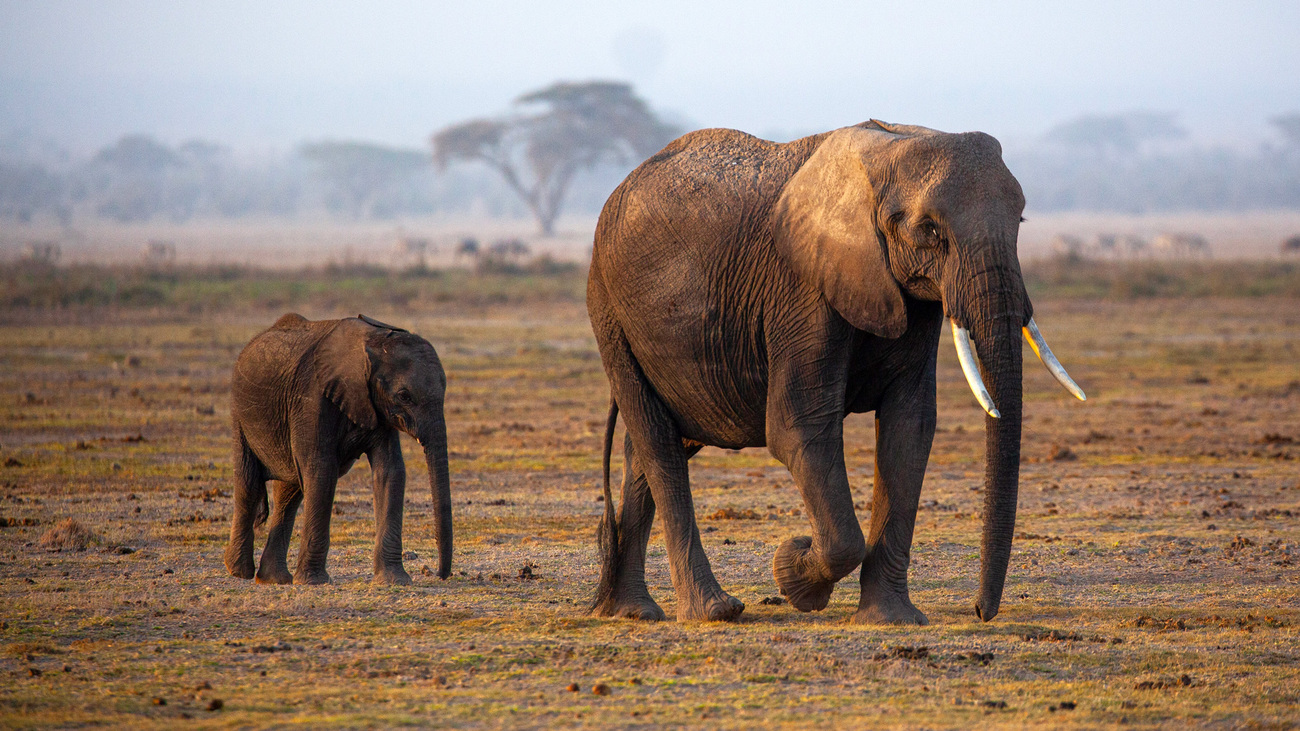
<point x="1128" y="246"/>
<point x="743" y="293"/>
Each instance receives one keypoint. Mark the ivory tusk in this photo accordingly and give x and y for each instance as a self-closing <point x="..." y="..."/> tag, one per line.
<point x="961" y="339"/>
<point x="1054" y="366"/>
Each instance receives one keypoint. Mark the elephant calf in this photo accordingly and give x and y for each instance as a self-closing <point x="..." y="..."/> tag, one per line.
<point x="308" y="399"/>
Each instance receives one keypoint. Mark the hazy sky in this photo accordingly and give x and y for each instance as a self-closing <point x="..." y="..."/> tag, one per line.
<point x="268" y="74"/>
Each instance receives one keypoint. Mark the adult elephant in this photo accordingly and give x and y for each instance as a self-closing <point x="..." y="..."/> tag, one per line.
<point x="746" y="293"/>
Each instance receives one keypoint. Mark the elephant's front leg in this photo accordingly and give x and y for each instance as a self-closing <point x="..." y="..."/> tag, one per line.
<point x="319" y="479"/>
<point x="390" y="498"/>
<point x="274" y="566"/>
<point x="905" y="425"/>
<point x="807" y="568"/>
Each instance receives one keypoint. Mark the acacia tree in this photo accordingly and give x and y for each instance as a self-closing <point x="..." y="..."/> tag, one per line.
<point x="555" y="133"/>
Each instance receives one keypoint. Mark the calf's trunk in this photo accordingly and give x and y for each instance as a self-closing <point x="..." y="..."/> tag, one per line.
<point x="435" y="454"/>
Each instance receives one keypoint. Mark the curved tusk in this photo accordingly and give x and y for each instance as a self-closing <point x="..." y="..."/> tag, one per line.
<point x="961" y="339"/>
<point x="1054" y="366"/>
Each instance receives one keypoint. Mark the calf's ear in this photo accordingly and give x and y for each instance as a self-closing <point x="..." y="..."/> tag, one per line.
<point x="824" y="227"/>
<point x="342" y="367"/>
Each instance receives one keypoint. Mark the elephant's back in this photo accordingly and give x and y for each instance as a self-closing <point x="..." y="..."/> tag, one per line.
<point x="276" y="352"/>
<point x="722" y="182"/>
<point x="704" y="200"/>
<point x="264" y="387"/>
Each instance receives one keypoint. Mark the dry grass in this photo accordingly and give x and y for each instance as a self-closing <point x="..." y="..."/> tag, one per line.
<point x="68" y="535"/>
<point x="1154" y="579"/>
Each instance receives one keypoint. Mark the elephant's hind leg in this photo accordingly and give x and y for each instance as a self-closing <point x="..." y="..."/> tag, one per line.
<point x="663" y="461"/>
<point x="250" y="496"/>
<point x="274" y="566"/>
<point x="630" y="597"/>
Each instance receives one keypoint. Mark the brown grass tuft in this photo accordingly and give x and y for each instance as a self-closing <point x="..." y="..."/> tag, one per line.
<point x="68" y="536"/>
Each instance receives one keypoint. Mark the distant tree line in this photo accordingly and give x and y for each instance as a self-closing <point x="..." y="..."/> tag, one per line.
<point x="1141" y="163"/>
<point x="565" y="147"/>
<point x="139" y="178"/>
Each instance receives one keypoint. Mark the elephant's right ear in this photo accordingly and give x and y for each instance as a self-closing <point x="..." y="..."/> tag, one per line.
<point x="342" y="369"/>
<point x="824" y="226"/>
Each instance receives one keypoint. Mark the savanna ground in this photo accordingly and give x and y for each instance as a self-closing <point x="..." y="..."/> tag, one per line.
<point x="1153" y="581"/>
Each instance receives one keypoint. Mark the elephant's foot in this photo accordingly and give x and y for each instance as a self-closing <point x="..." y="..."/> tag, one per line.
<point x="239" y="563"/>
<point x="640" y="607"/>
<point x="797" y="576"/>
<point x="272" y="574"/>
<point x="719" y="607"/>
<point x="239" y="569"/>
<point x="888" y="607"/>
<point x="311" y="578"/>
<point x="391" y="575"/>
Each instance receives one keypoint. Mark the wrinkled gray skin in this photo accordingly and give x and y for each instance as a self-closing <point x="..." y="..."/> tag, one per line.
<point x="308" y="399"/>
<point x="746" y="293"/>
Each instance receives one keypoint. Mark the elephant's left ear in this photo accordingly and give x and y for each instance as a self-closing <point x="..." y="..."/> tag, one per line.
<point x="824" y="226"/>
<point x="342" y="369"/>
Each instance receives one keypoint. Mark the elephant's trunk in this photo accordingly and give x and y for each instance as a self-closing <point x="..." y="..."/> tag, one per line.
<point x="994" y="307"/>
<point x="435" y="455"/>
<point x="998" y="343"/>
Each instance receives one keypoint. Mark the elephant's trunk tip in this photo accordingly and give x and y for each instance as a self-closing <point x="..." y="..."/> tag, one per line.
<point x="435" y="453"/>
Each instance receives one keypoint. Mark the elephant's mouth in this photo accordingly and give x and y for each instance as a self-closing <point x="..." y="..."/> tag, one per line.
<point x="970" y="365"/>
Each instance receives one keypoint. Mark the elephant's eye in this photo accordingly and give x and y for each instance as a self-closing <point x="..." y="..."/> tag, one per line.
<point x="930" y="234"/>
<point x="404" y="396"/>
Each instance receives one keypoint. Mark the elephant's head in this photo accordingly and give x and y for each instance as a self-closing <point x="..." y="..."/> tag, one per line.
<point x="378" y="374"/>
<point x="881" y="212"/>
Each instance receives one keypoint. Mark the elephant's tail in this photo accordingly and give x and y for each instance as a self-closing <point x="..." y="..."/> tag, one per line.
<point x="607" y="533"/>
<point x="263" y="511"/>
